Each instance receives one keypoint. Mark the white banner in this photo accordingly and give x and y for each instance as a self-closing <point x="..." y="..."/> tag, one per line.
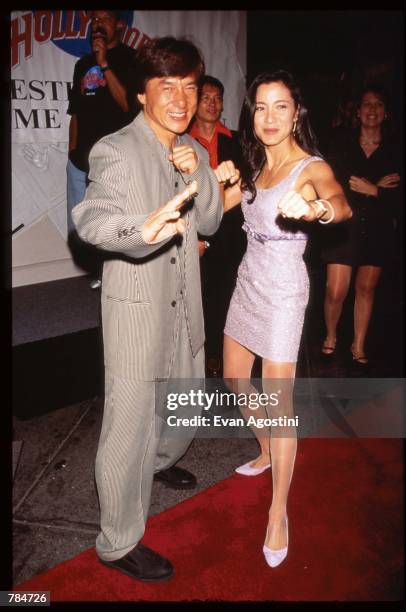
<point x="45" y="46"/>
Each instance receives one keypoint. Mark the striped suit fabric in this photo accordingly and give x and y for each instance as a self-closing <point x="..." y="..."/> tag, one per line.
<point x="151" y="315"/>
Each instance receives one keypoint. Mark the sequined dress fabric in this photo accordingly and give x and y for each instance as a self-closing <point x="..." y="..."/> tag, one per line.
<point x="268" y="305"/>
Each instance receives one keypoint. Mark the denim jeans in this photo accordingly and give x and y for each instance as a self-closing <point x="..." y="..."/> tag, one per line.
<point x="75" y="192"/>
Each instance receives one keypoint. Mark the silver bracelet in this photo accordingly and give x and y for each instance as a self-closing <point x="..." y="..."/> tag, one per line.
<point x="333" y="212"/>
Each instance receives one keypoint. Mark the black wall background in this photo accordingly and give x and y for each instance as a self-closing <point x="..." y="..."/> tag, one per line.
<point x="332" y="53"/>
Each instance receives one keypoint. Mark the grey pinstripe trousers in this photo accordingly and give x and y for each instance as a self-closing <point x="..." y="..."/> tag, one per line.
<point x="130" y="450"/>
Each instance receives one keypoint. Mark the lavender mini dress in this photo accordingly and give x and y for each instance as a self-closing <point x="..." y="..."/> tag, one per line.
<point x="268" y="305"/>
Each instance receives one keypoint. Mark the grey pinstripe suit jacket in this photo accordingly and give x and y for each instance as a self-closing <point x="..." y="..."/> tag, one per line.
<point x="130" y="177"/>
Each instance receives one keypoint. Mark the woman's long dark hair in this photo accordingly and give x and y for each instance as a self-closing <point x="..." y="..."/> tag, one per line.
<point x="253" y="151"/>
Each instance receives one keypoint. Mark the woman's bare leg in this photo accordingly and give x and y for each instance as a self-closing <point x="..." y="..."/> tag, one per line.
<point x="338" y="282"/>
<point x="237" y="368"/>
<point x="365" y="284"/>
<point x="283" y="443"/>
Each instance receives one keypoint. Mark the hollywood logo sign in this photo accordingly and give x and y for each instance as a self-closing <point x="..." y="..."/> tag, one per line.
<point x="67" y="29"/>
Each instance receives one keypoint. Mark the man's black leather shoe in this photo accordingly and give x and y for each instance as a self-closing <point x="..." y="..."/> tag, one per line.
<point x="176" y="477"/>
<point x="142" y="563"/>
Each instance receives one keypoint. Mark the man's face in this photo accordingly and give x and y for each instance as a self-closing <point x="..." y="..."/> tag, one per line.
<point x="105" y="26"/>
<point x="169" y="103"/>
<point x="210" y="104"/>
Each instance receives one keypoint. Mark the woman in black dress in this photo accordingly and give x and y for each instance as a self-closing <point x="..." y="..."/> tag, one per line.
<point x="366" y="163"/>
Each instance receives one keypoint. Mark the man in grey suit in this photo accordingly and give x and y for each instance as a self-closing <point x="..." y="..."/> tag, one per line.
<point x="151" y="299"/>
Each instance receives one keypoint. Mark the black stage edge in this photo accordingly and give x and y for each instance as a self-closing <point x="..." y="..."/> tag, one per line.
<point x="56" y="372"/>
<point x="57" y="346"/>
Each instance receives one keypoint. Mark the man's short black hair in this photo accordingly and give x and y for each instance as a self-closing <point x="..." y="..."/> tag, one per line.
<point x="207" y="79"/>
<point x="167" y="56"/>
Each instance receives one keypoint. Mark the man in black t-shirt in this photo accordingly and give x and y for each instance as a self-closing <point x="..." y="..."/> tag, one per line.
<point x="101" y="102"/>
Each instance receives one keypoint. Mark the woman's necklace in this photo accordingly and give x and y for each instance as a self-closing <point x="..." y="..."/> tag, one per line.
<point x="278" y="167"/>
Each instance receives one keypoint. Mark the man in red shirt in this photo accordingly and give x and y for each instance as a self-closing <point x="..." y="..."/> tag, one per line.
<point x="221" y="143"/>
<point x="220" y="262"/>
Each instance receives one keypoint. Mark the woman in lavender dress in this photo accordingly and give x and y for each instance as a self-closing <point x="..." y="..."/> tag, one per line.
<point x="284" y="183"/>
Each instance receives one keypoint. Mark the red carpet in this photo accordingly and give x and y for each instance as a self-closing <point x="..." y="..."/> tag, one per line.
<point x="346" y="536"/>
